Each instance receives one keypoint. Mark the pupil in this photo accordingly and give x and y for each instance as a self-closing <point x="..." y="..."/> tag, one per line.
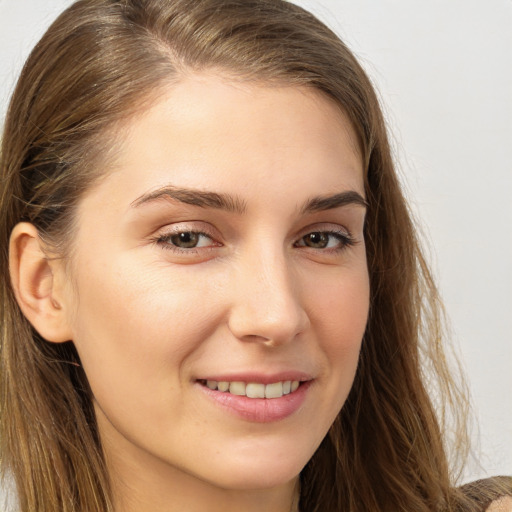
<point x="185" y="240"/>
<point x="317" y="240"/>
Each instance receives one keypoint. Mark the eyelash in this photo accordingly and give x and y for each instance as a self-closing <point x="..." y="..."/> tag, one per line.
<point x="344" y="239"/>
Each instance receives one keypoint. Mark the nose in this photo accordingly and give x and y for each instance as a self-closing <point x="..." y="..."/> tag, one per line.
<point x="266" y="303"/>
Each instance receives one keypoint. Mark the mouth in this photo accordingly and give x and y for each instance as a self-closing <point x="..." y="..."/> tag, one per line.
<point x="253" y="389"/>
<point x="266" y="401"/>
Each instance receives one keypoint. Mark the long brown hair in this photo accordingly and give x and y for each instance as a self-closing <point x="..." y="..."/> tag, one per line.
<point x="98" y="64"/>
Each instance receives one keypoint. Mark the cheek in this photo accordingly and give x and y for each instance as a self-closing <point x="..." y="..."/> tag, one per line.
<point x="340" y="307"/>
<point x="134" y="326"/>
<point x="340" y="312"/>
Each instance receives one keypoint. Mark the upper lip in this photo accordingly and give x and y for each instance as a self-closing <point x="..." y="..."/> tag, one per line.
<point x="260" y="378"/>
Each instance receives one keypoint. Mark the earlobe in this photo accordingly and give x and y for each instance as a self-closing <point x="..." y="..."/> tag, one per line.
<point x="34" y="282"/>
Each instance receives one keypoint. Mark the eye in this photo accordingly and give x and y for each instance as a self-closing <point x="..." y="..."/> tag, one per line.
<point x="189" y="239"/>
<point x="325" y="240"/>
<point x="182" y="240"/>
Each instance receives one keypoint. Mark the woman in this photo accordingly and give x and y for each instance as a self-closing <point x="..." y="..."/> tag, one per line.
<point x="215" y="297"/>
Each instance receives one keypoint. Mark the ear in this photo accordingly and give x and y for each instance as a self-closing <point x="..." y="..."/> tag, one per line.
<point x="35" y="280"/>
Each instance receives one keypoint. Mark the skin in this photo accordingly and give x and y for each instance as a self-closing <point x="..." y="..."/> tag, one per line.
<point x="501" y="505"/>
<point x="149" y="319"/>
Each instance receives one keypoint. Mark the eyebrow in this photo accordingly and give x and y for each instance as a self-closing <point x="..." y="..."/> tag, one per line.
<point x="194" y="197"/>
<point x="329" y="202"/>
<point x="234" y="204"/>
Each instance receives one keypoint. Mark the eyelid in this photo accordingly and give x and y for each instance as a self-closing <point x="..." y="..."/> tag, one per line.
<point x="199" y="227"/>
<point x="325" y="227"/>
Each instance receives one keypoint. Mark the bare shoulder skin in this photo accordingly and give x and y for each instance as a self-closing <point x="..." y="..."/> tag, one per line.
<point x="503" y="504"/>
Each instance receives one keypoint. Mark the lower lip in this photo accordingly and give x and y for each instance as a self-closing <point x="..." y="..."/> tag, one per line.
<point x="259" y="410"/>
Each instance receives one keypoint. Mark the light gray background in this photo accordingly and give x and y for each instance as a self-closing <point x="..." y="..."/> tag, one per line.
<point x="444" y="71"/>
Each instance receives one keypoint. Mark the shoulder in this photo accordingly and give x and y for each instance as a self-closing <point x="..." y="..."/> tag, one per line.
<point x="503" y="504"/>
<point x="490" y="494"/>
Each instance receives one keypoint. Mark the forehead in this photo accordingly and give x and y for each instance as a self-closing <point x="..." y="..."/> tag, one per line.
<point x="210" y="132"/>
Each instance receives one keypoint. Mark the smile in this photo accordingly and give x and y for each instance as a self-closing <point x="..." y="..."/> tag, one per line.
<point x="254" y="389"/>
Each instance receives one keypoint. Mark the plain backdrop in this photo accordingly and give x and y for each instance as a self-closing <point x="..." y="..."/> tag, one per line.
<point x="444" y="72"/>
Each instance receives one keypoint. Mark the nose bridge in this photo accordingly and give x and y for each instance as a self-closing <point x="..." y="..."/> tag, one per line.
<point x="267" y="305"/>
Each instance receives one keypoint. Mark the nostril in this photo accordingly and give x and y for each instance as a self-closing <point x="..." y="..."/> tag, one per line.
<point x="255" y="338"/>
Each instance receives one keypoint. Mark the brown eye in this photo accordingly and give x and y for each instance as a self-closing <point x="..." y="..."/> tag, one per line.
<point x="317" y="240"/>
<point x="329" y="240"/>
<point x="186" y="239"/>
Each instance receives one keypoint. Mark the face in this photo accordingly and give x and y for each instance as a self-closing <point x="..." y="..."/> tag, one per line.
<point x="220" y="287"/>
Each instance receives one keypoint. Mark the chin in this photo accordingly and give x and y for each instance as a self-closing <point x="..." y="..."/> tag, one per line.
<point x="251" y="479"/>
<point x="261" y="470"/>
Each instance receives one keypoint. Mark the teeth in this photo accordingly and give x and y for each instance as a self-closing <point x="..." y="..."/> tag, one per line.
<point x="223" y="386"/>
<point x="211" y="384"/>
<point x="274" y="390"/>
<point x="255" y="389"/>
<point x="237" y="388"/>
